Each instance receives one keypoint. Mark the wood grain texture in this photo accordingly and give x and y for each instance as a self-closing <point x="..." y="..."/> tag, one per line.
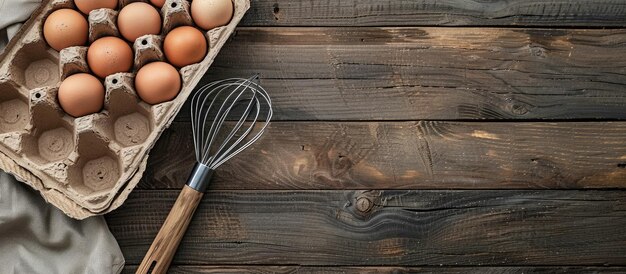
<point x="431" y="73"/>
<point x="584" y="13"/>
<point x="400" y="228"/>
<point x="159" y="256"/>
<point x="408" y="155"/>
<point x="184" y="269"/>
<point x="362" y="60"/>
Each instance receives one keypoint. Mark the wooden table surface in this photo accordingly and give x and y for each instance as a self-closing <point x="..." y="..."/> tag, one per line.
<point x="458" y="136"/>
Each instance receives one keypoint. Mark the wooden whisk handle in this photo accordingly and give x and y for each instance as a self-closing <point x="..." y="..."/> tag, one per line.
<point x="164" y="246"/>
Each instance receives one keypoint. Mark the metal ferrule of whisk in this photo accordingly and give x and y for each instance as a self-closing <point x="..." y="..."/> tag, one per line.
<point x="227" y="116"/>
<point x="200" y="177"/>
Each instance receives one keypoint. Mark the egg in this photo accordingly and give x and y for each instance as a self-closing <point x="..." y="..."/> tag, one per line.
<point x="65" y="28"/>
<point x="109" y="55"/>
<point x="184" y="46"/>
<point x="137" y="19"/>
<point x="157" y="82"/>
<point x="209" y="14"/>
<point x="81" y="94"/>
<point x="158" y="3"/>
<point x="86" y="6"/>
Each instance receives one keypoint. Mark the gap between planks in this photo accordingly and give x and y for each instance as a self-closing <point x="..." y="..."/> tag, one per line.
<point x="381" y="269"/>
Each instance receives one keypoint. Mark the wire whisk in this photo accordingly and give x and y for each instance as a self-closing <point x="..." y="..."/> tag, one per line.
<point x="227" y="117"/>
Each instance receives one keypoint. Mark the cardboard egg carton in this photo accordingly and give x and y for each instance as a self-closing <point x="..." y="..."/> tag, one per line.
<point x="87" y="165"/>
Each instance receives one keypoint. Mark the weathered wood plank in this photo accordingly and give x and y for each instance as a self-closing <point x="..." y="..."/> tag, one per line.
<point x="431" y="73"/>
<point x="408" y="155"/>
<point x="404" y="228"/>
<point x="184" y="269"/>
<point x="583" y="13"/>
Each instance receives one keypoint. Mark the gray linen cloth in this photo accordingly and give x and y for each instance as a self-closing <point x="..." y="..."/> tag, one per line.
<point x="36" y="237"/>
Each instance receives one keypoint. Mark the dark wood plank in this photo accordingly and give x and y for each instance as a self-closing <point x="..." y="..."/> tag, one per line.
<point x="585" y="13"/>
<point x="431" y="73"/>
<point x="184" y="269"/>
<point x="400" y="228"/>
<point x="408" y="155"/>
<point x="189" y="269"/>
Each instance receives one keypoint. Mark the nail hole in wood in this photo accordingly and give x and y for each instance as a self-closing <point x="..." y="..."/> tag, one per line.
<point x="276" y="11"/>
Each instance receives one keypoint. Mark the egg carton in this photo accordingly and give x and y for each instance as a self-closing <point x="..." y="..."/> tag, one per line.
<point x="88" y="165"/>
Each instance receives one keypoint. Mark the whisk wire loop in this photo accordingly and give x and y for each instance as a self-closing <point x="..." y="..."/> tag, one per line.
<point x="220" y="102"/>
<point x="224" y="115"/>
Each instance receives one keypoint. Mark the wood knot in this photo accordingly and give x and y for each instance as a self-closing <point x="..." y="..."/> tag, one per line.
<point x="519" y="109"/>
<point x="364" y="204"/>
<point x="538" y="51"/>
<point x="515" y="106"/>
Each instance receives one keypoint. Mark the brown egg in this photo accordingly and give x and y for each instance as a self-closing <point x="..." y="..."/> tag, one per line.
<point x="109" y="55"/>
<point x="137" y="19"/>
<point x="86" y="6"/>
<point x="209" y="14"/>
<point x="65" y="28"/>
<point x="184" y="46"/>
<point x="157" y="82"/>
<point x="81" y="94"/>
<point x="158" y="3"/>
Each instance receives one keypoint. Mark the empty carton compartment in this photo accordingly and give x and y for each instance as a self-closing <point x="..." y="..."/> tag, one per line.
<point x="133" y="128"/>
<point x="97" y="167"/>
<point x="129" y="120"/>
<point x="13" y="108"/>
<point x="51" y="138"/>
<point x="35" y="66"/>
